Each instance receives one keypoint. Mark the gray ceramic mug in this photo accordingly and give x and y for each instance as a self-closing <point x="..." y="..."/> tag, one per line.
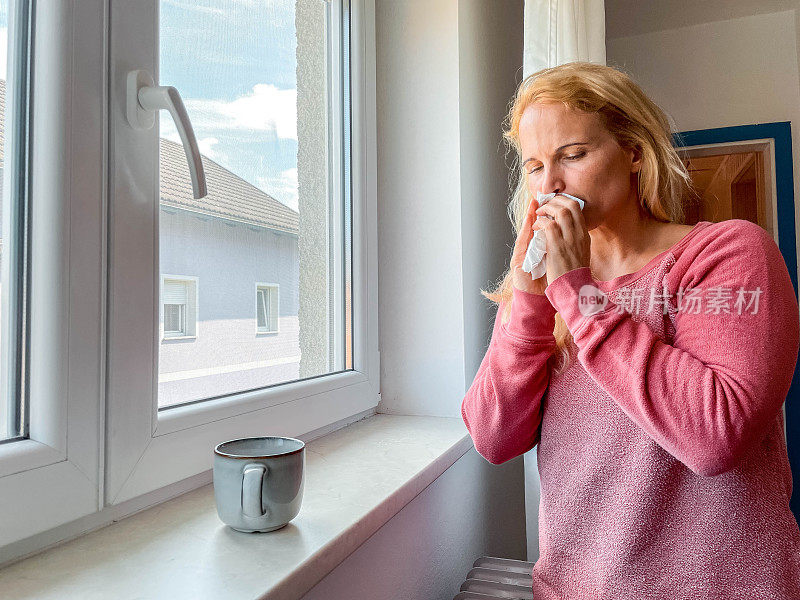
<point x="258" y="482"/>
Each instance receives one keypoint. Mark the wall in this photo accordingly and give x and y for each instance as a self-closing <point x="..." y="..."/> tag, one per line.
<point x="420" y="285"/>
<point x="632" y="17"/>
<point x="228" y="259"/>
<point x="446" y="71"/>
<point x="316" y="193"/>
<point x="489" y="74"/>
<point x="426" y="550"/>
<point x="735" y="72"/>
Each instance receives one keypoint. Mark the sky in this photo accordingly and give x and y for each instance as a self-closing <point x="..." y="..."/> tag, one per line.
<point x="234" y="64"/>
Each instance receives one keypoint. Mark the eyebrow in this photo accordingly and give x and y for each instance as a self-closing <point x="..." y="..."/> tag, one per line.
<point x="559" y="149"/>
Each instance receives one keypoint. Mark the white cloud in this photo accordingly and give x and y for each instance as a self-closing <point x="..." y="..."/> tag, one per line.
<point x="206" y="146"/>
<point x="283" y="187"/>
<point x="168" y="131"/>
<point x="267" y="108"/>
<point x="166" y="127"/>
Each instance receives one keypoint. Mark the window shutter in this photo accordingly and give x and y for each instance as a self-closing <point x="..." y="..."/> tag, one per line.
<point x="175" y="292"/>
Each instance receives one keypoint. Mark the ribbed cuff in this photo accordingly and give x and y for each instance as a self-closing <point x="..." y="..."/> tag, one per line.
<point x="532" y="315"/>
<point x="575" y="307"/>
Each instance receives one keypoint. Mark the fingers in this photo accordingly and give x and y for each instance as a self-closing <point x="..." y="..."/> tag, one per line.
<point x="567" y="216"/>
<point x="541" y="221"/>
<point x="560" y="206"/>
<point x="525" y="234"/>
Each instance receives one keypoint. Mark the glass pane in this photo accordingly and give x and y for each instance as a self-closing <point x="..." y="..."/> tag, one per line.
<point x="14" y="76"/>
<point x="268" y="318"/>
<point x="265" y="92"/>
<point x="262" y="309"/>
<point x="173" y="319"/>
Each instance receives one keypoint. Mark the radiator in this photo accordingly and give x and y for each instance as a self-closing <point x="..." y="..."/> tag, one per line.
<point x="493" y="577"/>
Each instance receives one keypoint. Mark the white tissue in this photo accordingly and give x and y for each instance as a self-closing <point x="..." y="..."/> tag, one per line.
<point x="534" y="262"/>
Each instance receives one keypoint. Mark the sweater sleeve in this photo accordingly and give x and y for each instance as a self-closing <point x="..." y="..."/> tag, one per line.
<point x="502" y="408"/>
<point x="715" y="391"/>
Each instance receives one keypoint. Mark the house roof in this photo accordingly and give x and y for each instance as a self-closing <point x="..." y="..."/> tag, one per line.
<point x="229" y="196"/>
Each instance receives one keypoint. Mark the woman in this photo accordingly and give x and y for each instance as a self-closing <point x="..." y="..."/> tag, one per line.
<point x="649" y="364"/>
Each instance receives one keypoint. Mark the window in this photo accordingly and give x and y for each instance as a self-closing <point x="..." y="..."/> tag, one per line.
<point x="14" y="215"/>
<point x="283" y="117"/>
<point x="244" y="95"/>
<point x="120" y="394"/>
<point x="53" y="241"/>
<point x="179" y="299"/>
<point x="267" y="308"/>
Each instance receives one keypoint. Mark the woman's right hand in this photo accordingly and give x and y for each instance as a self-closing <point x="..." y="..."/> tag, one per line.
<point x="520" y="278"/>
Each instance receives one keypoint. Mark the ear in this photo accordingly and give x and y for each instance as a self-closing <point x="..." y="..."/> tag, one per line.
<point x="636" y="158"/>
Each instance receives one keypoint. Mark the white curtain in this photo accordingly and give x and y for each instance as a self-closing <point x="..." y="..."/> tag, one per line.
<point x="560" y="31"/>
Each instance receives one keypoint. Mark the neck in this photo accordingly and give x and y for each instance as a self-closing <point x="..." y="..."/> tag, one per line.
<point x="623" y="237"/>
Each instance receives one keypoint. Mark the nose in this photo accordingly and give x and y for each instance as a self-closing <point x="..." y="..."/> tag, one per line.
<point x="552" y="180"/>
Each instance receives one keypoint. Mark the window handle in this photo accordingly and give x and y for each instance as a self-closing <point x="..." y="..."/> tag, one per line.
<point x="144" y="99"/>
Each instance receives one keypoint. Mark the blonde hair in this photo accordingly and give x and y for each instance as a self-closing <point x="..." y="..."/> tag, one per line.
<point x="632" y="118"/>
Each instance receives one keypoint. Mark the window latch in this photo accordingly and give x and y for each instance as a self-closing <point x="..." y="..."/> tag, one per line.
<point x="144" y="99"/>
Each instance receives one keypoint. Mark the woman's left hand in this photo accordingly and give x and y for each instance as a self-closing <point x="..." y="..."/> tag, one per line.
<point x="568" y="241"/>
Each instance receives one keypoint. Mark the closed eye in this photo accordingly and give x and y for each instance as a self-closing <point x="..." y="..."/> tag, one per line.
<point x="571" y="157"/>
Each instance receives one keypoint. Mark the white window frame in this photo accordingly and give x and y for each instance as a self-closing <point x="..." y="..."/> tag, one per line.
<point x="152" y="448"/>
<point x="192" y="325"/>
<point x="95" y="439"/>
<point x="55" y="476"/>
<point x="275" y="289"/>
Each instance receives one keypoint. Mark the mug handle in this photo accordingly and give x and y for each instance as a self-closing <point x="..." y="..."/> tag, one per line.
<point x="252" y="483"/>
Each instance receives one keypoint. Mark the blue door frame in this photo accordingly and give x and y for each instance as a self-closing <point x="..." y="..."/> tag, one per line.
<point x="781" y="134"/>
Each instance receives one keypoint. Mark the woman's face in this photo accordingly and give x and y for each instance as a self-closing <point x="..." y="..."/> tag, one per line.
<point x="568" y="150"/>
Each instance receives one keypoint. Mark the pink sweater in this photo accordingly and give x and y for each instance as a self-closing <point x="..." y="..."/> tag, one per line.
<point x="661" y="452"/>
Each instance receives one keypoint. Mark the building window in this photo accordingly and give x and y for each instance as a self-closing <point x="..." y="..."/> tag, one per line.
<point x="267" y="308"/>
<point x="179" y="307"/>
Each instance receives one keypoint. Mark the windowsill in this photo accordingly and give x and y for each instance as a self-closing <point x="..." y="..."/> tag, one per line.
<point x="356" y="479"/>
